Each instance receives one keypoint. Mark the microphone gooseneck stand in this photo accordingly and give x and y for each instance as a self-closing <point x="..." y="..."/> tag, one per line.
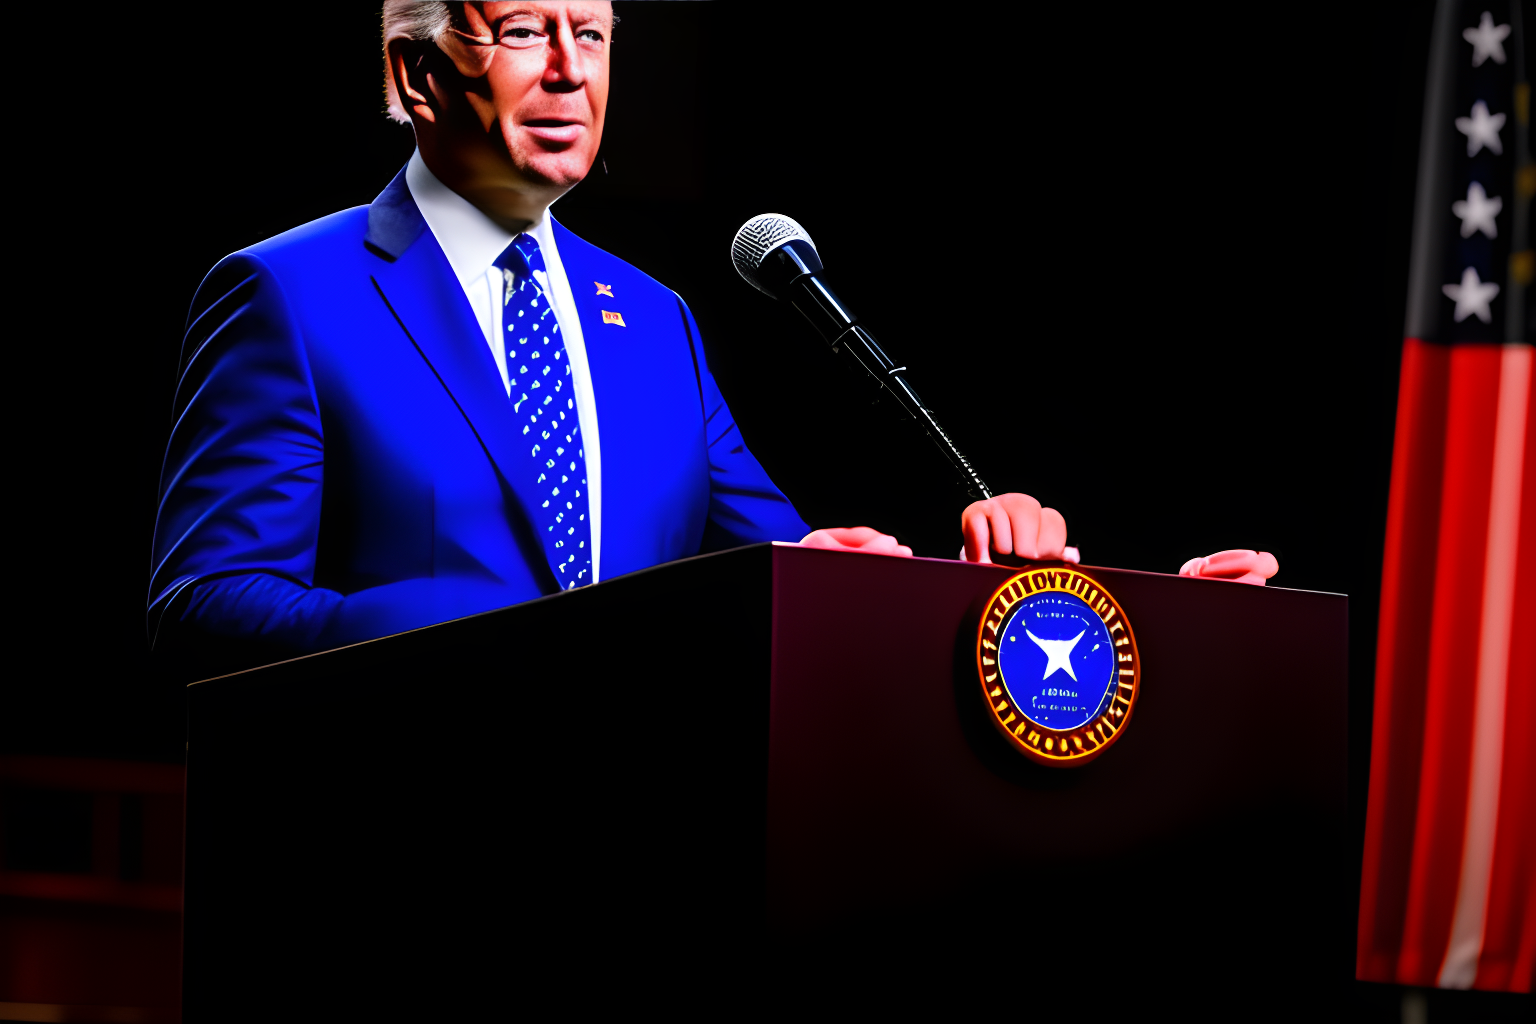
<point x="791" y="271"/>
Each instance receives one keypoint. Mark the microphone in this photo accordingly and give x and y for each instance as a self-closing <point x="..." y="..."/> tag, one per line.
<point x="775" y="255"/>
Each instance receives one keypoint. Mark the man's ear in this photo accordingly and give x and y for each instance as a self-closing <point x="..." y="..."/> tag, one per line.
<point x="469" y="42"/>
<point x="409" y="96"/>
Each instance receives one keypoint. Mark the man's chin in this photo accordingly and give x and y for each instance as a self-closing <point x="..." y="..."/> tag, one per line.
<point x="560" y="170"/>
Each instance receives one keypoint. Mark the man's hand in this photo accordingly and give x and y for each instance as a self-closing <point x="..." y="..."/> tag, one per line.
<point x="856" y="538"/>
<point x="1238" y="565"/>
<point x="1014" y="524"/>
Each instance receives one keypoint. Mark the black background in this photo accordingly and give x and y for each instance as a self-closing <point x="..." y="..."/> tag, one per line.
<point x="1148" y="264"/>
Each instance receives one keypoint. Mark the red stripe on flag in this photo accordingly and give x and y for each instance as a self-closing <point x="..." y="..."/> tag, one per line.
<point x="1407" y="590"/>
<point x="1451" y="681"/>
<point x="1525" y="959"/>
<point x="1509" y="932"/>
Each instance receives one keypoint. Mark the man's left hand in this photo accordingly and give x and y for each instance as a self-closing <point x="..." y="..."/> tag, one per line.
<point x="856" y="538"/>
<point x="1016" y="525"/>
<point x="1241" y="565"/>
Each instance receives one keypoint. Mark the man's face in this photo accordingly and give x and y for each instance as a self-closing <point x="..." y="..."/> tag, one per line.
<point x="538" y="75"/>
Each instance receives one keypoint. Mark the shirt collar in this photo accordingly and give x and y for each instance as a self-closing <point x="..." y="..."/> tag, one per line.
<point x="469" y="238"/>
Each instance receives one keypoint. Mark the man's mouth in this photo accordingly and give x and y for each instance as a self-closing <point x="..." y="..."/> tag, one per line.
<point x="553" y="129"/>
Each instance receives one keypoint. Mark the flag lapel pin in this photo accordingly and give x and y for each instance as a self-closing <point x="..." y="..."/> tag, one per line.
<point x="614" y="318"/>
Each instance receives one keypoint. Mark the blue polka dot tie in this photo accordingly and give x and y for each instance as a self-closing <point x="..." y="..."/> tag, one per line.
<point x="545" y="402"/>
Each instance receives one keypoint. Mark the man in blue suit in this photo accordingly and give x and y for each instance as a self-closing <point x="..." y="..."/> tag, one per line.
<point x="444" y="402"/>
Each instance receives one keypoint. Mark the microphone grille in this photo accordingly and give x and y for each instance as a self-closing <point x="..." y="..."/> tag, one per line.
<point x="760" y="236"/>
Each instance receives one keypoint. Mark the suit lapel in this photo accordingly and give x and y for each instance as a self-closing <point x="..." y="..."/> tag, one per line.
<point x="577" y="270"/>
<point x="422" y="292"/>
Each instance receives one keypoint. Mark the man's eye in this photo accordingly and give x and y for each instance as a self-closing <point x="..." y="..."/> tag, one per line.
<point x="591" y="35"/>
<point x="520" y="36"/>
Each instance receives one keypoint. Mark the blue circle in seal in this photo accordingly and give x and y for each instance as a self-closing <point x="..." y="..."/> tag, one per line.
<point x="1057" y="660"/>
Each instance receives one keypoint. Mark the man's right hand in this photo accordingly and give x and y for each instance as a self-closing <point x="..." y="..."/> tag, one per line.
<point x="856" y="538"/>
<point x="1014" y="524"/>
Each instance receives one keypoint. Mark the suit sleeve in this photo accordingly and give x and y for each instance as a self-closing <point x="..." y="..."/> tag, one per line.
<point x="744" y="505"/>
<point x="240" y="488"/>
<point x="238" y="522"/>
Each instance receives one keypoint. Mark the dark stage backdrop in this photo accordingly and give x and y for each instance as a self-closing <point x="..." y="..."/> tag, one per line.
<point x="1148" y="265"/>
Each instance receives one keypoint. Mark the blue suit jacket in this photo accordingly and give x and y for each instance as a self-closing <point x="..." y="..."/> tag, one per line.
<point x="345" y="464"/>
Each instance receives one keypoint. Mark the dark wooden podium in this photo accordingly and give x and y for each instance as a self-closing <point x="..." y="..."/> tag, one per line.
<point x="769" y="764"/>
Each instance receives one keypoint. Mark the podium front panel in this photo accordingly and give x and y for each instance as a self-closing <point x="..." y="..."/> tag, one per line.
<point x="1210" y="836"/>
<point x="768" y="756"/>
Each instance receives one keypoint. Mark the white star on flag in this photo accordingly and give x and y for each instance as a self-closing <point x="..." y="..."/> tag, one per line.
<point x="1487" y="41"/>
<point x="1481" y="129"/>
<point x="1471" y="297"/>
<point x="1056" y="653"/>
<point x="1477" y="212"/>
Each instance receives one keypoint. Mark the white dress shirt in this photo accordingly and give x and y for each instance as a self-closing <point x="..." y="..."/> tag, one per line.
<point x="472" y="241"/>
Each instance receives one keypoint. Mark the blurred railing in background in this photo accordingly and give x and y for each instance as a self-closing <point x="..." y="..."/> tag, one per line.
<point x="90" y="890"/>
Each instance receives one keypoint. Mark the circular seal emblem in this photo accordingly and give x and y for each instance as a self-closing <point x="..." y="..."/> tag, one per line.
<point x="1058" y="665"/>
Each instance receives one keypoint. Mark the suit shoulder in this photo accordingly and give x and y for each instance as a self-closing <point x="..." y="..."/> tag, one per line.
<point x="289" y="267"/>
<point x="323" y="238"/>
<point x="578" y="253"/>
<point x="319" y="243"/>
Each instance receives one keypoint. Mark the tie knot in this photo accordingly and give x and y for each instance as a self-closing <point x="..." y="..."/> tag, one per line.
<point x="522" y="257"/>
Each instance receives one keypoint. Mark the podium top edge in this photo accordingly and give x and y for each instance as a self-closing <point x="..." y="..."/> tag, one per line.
<point x="991" y="566"/>
<point x="970" y="566"/>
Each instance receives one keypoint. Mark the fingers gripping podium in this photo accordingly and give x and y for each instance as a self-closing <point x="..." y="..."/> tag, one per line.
<point x="761" y="756"/>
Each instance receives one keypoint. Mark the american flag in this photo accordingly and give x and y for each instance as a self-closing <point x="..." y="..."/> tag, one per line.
<point x="1448" y="883"/>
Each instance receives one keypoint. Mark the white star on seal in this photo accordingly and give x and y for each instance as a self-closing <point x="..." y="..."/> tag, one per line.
<point x="1481" y="129"/>
<point x="1056" y="653"/>
<point x="1487" y="40"/>
<point x="1471" y="297"/>
<point x="1477" y="212"/>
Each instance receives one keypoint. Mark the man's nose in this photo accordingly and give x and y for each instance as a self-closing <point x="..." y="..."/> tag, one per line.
<point x="564" y="72"/>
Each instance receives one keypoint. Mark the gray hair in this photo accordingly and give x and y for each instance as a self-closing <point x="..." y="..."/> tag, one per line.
<point x="410" y="19"/>
<point x="425" y="21"/>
